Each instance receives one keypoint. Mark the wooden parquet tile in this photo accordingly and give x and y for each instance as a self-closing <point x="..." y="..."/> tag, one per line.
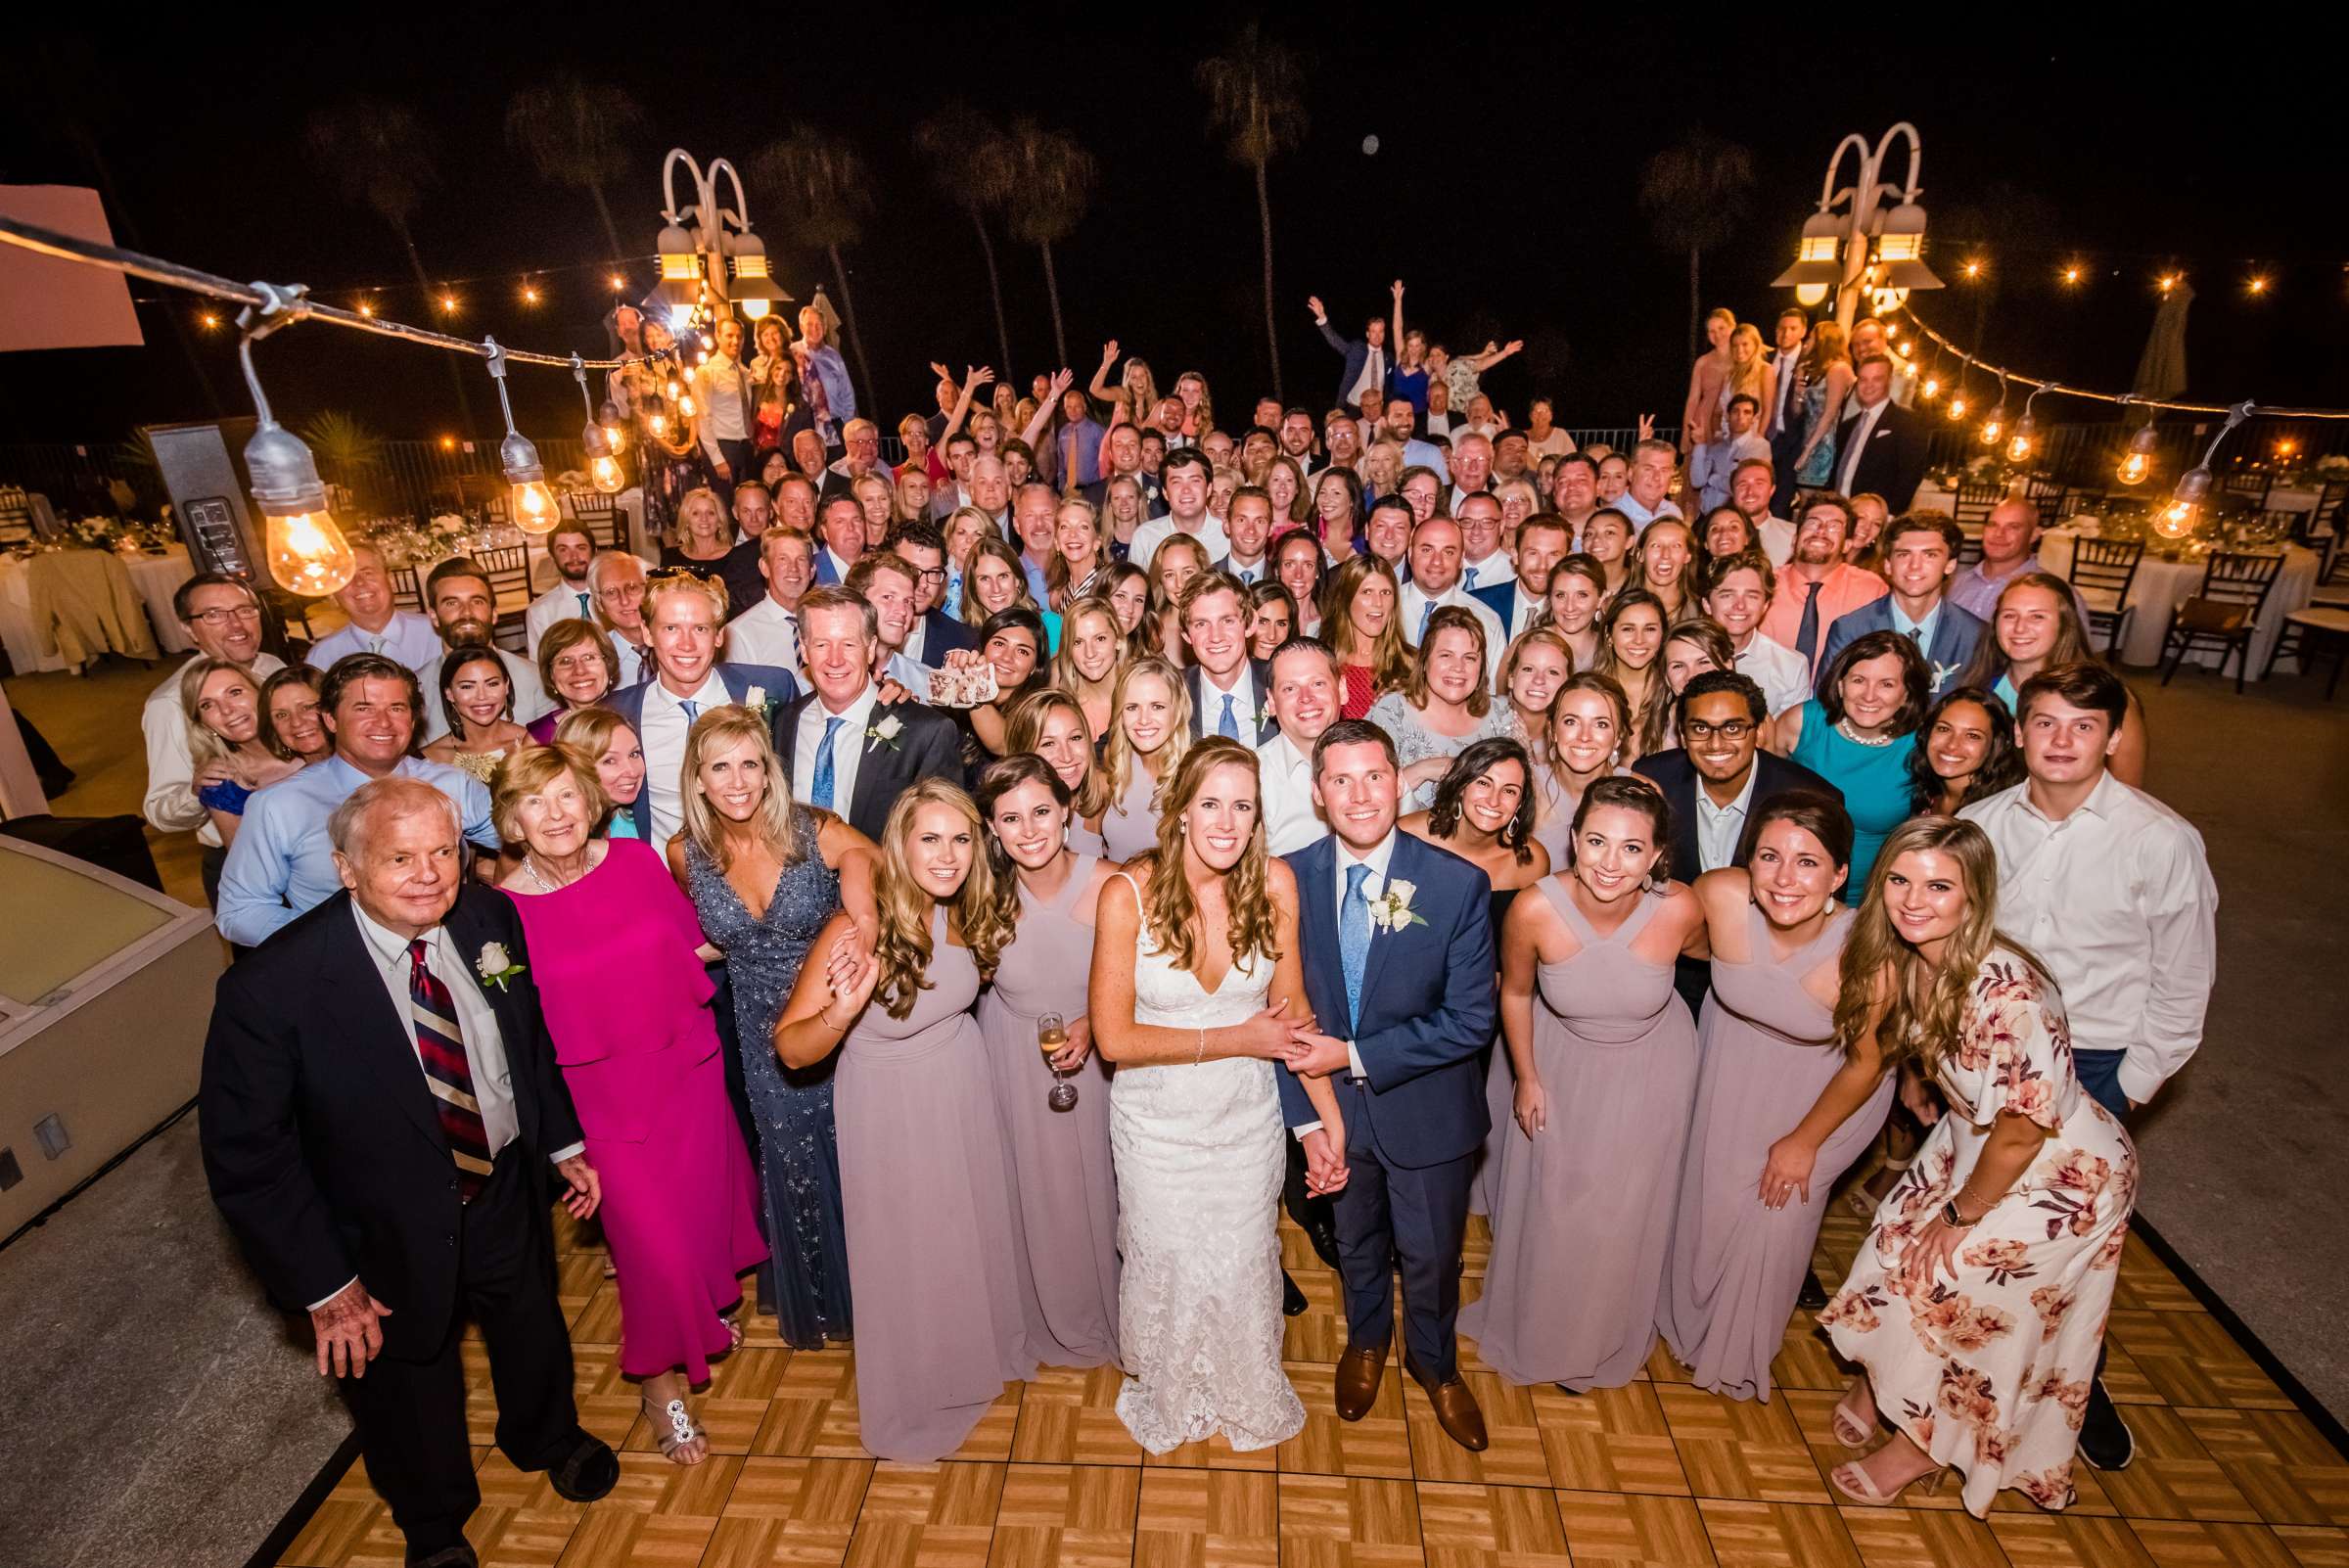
<point x="1655" y="1474"/>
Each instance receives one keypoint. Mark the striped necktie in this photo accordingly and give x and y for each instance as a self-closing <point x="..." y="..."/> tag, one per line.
<point x="440" y="1046"/>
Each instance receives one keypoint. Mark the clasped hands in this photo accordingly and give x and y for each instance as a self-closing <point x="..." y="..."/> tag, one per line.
<point x="1304" y="1050"/>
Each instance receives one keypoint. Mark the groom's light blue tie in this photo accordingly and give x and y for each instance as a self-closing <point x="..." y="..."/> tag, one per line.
<point x="693" y="710"/>
<point x="1227" y="726"/>
<point x="819" y="790"/>
<point x="1353" y="940"/>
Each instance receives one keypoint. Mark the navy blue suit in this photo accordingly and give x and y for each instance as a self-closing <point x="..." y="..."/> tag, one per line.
<point x="1501" y="598"/>
<point x="943" y="634"/>
<point x="1356" y="353"/>
<point x="1415" y="1123"/>
<point x="1950" y="649"/>
<point x="1252" y="731"/>
<point x="780" y="690"/>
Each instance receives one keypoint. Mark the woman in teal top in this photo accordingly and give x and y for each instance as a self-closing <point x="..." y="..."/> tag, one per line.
<point x="1855" y="734"/>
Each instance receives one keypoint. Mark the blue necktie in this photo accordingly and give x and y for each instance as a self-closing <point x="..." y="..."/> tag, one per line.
<point x="1227" y="726"/>
<point x="1472" y="577"/>
<point x="584" y="615"/>
<point x="1353" y="940"/>
<point x="820" y="792"/>
<point x="1425" y="616"/>
<point x="1805" y="634"/>
<point x="693" y="711"/>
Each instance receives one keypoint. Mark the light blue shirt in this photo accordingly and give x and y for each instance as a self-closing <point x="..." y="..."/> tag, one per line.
<point x="410" y="638"/>
<point x="1919" y="631"/>
<point x="281" y="864"/>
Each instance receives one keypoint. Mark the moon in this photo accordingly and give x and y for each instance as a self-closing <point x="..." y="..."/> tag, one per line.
<point x="1371" y="146"/>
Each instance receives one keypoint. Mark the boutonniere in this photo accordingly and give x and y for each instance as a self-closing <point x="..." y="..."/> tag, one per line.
<point x="1264" y="717"/>
<point x="495" y="965"/>
<point x="755" y="701"/>
<point x="885" y="732"/>
<point x="1941" y="673"/>
<point x="1392" y="909"/>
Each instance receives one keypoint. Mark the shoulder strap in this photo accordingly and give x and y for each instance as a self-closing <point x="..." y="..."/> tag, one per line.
<point x="1554" y="888"/>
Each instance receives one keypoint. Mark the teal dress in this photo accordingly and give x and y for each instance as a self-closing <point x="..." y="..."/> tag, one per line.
<point x="1874" y="780"/>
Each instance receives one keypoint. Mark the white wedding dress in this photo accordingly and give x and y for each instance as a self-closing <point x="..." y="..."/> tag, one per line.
<point x="1200" y="1161"/>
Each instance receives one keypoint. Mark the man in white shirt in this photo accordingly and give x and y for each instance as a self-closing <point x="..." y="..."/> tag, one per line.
<point x="572" y="550"/>
<point x="616" y="584"/>
<point x="1750" y="489"/>
<point x="1035" y="528"/>
<point x="1471" y="468"/>
<point x="846" y="748"/>
<point x="1303" y="682"/>
<point x="464" y="608"/>
<point x="2112" y="889"/>
<point x="1737" y="590"/>
<point x="1648" y="485"/>
<point x="828" y="739"/>
<point x="1541" y="543"/>
<point x="1482" y="562"/>
<point x="1436" y="582"/>
<point x="729" y="409"/>
<point x="1248" y="529"/>
<point x="376" y="625"/>
<point x="223" y="615"/>
<point x="769" y="631"/>
<point x="1227" y="687"/>
<point x="1185" y="478"/>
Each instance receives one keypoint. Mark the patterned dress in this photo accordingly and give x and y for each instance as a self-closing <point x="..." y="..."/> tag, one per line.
<point x="1992" y="1374"/>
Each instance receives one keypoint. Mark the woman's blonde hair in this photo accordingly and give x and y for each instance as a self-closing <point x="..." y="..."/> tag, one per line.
<point x="1119" y="759"/>
<point x="1056" y="570"/>
<point x="903" y="949"/>
<point x="529" y="772"/>
<point x="1451" y="617"/>
<point x="1545" y="636"/>
<point x="1924" y="1004"/>
<point x="982" y="527"/>
<point x="203" y="745"/>
<point x="1206" y="414"/>
<point x="1170" y="909"/>
<point x="677" y="531"/>
<point x="1754" y="377"/>
<point x="590" y="729"/>
<point x="716" y="731"/>
<point x="1390" y="657"/>
<point x="1024" y="727"/>
<point x="1141" y="403"/>
<point x="1065" y="673"/>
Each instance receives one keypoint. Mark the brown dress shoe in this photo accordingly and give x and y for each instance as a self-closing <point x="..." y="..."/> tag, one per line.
<point x="1359" y="1372"/>
<point x="1456" y="1410"/>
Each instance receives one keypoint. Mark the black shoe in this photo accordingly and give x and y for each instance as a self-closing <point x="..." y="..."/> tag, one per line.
<point x="459" y="1555"/>
<point x="1292" y="1299"/>
<point x="587" y="1472"/>
<point x="1324" y="1238"/>
<point x="1814" y="1295"/>
<point x="2105" y="1440"/>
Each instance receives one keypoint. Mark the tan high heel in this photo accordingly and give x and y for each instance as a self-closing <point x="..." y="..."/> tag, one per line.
<point x="1862" y="1204"/>
<point x="1847" y="1428"/>
<point x="1852" y="1481"/>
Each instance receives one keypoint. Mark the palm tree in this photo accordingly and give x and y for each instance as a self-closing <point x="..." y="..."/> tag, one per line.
<point x="576" y="134"/>
<point x="1052" y="181"/>
<point x="1695" y="197"/>
<point x="380" y="154"/>
<point x="826" y="181"/>
<point x="1252" y="101"/>
<point x="969" y="162"/>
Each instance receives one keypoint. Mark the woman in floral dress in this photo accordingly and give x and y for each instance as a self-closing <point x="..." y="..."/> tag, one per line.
<point x="1976" y="1305"/>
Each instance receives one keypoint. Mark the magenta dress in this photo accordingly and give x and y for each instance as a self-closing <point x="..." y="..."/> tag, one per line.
<point x="627" y="1006"/>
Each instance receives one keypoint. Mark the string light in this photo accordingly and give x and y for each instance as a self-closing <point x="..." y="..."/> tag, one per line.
<point x="2168" y="281"/>
<point x="448" y="304"/>
<point x="1996" y="425"/>
<point x="2071" y="274"/>
<point x="1973" y="270"/>
<point x="2026" y="429"/>
<point x="603" y="469"/>
<point x="209" y="321"/>
<point x="367" y="308"/>
<point x="306" y="551"/>
<point x="2138" y="461"/>
<point x="2258" y="285"/>
<point x="619" y="282"/>
<point x="2178" y="519"/>
<point x="533" y="509"/>
<point x="529" y="293"/>
<point x="448" y="443"/>
<point x="2286" y="449"/>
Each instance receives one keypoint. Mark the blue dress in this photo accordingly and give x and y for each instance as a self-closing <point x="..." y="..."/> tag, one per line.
<point x="805" y="1281"/>
<point x="1820" y="470"/>
<point x="1874" y="780"/>
<point x="228" y="797"/>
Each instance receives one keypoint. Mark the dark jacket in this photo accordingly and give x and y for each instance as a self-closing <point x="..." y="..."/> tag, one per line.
<point x="927" y="744"/>
<point x="1894" y="464"/>
<point x="778" y="685"/>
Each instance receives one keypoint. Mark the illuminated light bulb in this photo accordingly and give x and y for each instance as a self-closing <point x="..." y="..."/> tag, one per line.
<point x="701" y="357"/>
<point x="367" y="308"/>
<point x="2286" y="447"/>
<point x="2018" y="446"/>
<point x="2258" y="286"/>
<point x="2138" y="461"/>
<point x="604" y="473"/>
<point x="685" y="408"/>
<point x="1809" y="293"/>
<point x="448" y="443"/>
<point x="619" y="282"/>
<point x="1995" y="425"/>
<point x="530" y="294"/>
<point x="1973" y="270"/>
<point x="2178" y="519"/>
<point x="615" y="438"/>
<point x="2071" y="274"/>
<point x="676" y="389"/>
<point x="659" y="421"/>
<point x="1931" y="389"/>
<point x="308" y="555"/>
<point x="1957" y="408"/>
<point x="209" y="321"/>
<point x="2168" y="281"/>
<point x="534" y="507"/>
<point x="448" y="304"/>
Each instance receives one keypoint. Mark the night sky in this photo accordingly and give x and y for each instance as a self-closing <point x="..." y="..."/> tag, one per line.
<point x="1503" y="192"/>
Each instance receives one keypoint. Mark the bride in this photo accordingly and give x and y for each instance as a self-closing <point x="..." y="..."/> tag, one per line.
<point x="1197" y="993"/>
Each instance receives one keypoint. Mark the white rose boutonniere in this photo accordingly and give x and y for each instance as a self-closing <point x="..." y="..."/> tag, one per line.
<point x="755" y="701"/>
<point x="885" y="732"/>
<point x="495" y="965"/>
<point x="1392" y="909"/>
<point x="1941" y="677"/>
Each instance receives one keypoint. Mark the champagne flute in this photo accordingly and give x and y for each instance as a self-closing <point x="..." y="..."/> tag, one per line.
<point x="1052" y="1037"/>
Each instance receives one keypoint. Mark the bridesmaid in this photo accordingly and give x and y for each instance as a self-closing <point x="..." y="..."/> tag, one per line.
<point x="1363" y="624"/>
<point x="1780" y="1111"/>
<point x="1582" y="1176"/>
<point x="1050" y="725"/>
<point x="946" y="1315"/>
<point x="1092" y="648"/>
<point x="1590" y="726"/>
<point x="1578" y="587"/>
<point x="1153" y="711"/>
<point x="1046" y="891"/>
<point x="612" y="949"/>
<point x="1484" y="813"/>
<point x="765" y="874"/>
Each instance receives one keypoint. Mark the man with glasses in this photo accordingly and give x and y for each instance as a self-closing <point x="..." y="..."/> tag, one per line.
<point x="222" y="614"/>
<point x="863" y="440"/>
<point x="933" y="633"/>
<point x="615" y="585"/>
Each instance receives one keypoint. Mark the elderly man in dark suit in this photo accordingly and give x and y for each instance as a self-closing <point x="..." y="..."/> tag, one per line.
<point x="379" y="1108"/>
<point x="844" y="747"/>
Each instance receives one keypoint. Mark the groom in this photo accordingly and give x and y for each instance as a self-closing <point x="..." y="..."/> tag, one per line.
<point x="1397" y="949"/>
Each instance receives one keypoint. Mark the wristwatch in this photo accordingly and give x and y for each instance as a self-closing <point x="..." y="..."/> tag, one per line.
<point x="1949" y="1217"/>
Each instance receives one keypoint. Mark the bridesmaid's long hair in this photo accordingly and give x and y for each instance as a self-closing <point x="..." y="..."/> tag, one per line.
<point x="1924" y="1004"/>
<point x="716" y="731"/>
<point x="997" y="781"/>
<point x="904" y="950"/>
<point x="1024" y="727"/>
<point x="1119" y="759"/>
<point x="1170" y="911"/>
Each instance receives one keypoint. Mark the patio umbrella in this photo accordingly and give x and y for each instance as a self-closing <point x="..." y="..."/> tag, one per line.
<point x="2162" y="369"/>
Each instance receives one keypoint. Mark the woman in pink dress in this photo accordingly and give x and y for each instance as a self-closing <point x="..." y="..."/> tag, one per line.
<point x="613" y="949"/>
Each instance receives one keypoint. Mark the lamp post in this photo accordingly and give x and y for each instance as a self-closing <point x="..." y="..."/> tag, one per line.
<point x="703" y="266"/>
<point x="1867" y="246"/>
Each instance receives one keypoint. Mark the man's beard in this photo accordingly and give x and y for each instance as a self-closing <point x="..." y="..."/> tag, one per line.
<point x="457" y="633"/>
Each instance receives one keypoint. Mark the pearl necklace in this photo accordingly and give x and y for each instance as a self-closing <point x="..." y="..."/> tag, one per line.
<point x="539" y="877"/>
<point x="1843" y="728"/>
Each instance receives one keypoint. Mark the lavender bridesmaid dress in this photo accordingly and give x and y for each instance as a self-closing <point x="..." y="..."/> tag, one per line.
<point x="1580" y="1214"/>
<point x="1736" y="1267"/>
<point x="1130" y="825"/>
<point x="1068" y="1195"/>
<point x="943" y="1318"/>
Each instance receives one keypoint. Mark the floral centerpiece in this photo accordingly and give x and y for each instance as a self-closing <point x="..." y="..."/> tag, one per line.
<point x="130" y="535"/>
<point x="405" y="542"/>
<point x="1982" y="469"/>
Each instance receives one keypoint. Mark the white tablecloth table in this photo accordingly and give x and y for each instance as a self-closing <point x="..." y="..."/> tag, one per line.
<point x="158" y="577"/>
<point x="2161" y="586"/>
<point x="155" y="578"/>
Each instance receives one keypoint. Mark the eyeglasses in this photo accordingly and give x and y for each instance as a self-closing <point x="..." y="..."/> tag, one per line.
<point x="1736" y="729"/>
<point x="937" y="574"/>
<point x="217" y="617"/>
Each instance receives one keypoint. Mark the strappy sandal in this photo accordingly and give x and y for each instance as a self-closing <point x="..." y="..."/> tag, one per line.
<point x="674" y="1428"/>
<point x="1852" y="1481"/>
<point x="1861" y="1202"/>
<point x="1848" y="1430"/>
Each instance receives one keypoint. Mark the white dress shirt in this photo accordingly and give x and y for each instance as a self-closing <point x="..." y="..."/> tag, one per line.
<point x="727" y="400"/>
<point x="1639" y="515"/>
<point x="170" y="805"/>
<point x="1784" y="675"/>
<point x="1776" y="536"/>
<point x="1285" y="792"/>
<point x="662" y="737"/>
<point x="2118" y="901"/>
<point x="848" y="749"/>
<point x="1414" y="603"/>
<point x="766" y="633"/>
<point x="1719" y="827"/>
<point x="1155" y="532"/>
<point x="1246" y="702"/>
<point x="529" y="697"/>
<point x="564" y="601"/>
<point x="1524" y="606"/>
<point x="1374" y="374"/>
<point x="407" y="636"/>
<point x="1489" y="572"/>
<point x="477" y="1021"/>
<point x="1848" y="460"/>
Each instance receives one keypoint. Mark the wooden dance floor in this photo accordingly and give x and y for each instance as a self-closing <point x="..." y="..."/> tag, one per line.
<point x="2229" y="1472"/>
